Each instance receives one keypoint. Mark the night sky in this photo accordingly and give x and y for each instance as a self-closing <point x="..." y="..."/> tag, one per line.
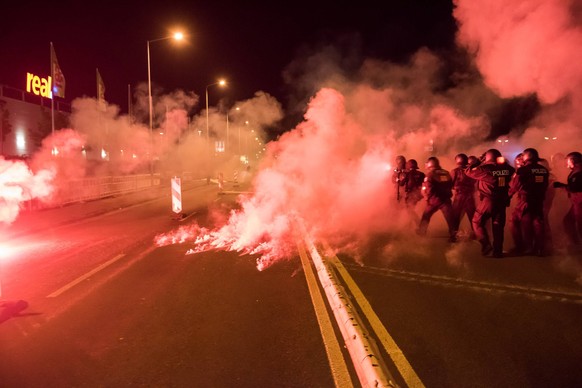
<point x="249" y="44"/>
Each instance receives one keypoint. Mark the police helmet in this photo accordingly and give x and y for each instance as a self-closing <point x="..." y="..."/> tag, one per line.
<point x="433" y="162"/>
<point x="412" y="164"/>
<point x="574" y="157"/>
<point x="492" y="154"/>
<point x="462" y="159"/>
<point x="473" y="160"/>
<point x="530" y="155"/>
<point x="400" y="161"/>
<point x="518" y="160"/>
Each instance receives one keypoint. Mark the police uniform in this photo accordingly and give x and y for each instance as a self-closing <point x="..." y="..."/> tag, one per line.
<point x="529" y="184"/>
<point x="437" y="188"/>
<point x="413" y="187"/>
<point x="573" y="219"/>
<point x="464" y="199"/>
<point x="399" y="175"/>
<point x="493" y="185"/>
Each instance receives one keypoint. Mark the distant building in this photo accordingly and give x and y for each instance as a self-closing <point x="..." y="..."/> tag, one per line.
<point x="25" y="120"/>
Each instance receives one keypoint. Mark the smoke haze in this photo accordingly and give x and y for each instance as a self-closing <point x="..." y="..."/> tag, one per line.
<point x="331" y="172"/>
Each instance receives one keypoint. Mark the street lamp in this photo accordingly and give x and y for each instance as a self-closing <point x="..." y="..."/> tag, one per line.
<point x="220" y="83"/>
<point x="175" y="36"/>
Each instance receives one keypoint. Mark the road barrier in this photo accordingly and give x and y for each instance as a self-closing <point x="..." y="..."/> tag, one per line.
<point x="176" y="195"/>
<point x="88" y="189"/>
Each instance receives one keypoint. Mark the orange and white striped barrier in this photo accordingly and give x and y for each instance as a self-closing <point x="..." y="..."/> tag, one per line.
<point x="176" y="195"/>
<point x="235" y="178"/>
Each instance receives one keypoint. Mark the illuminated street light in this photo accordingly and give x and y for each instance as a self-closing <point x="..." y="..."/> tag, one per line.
<point x="175" y="36"/>
<point x="221" y="82"/>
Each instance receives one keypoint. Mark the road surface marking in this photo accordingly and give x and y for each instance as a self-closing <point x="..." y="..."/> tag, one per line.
<point x="84" y="277"/>
<point x="400" y="361"/>
<point x="339" y="369"/>
<point x="483" y="286"/>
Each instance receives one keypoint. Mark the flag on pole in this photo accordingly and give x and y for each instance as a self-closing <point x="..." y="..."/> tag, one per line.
<point x="58" y="88"/>
<point x="100" y="90"/>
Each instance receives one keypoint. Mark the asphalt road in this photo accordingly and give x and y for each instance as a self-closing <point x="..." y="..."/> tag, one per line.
<point x="107" y="308"/>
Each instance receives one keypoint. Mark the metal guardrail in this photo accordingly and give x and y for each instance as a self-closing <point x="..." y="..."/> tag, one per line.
<point x="89" y="189"/>
<point x="94" y="188"/>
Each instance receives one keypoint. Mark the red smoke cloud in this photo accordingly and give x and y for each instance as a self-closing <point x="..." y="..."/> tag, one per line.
<point x="19" y="184"/>
<point x="330" y="174"/>
<point x="524" y="46"/>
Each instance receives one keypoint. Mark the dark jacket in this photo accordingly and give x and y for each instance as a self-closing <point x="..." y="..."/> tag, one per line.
<point x="530" y="183"/>
<point x="574" y="185"/>
<point x="493" y="179"/>
<point x="462" y="184"/>
<point x="438" y="184"/>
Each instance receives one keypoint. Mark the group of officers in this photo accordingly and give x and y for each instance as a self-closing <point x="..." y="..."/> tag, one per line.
<point x="483" y="188"/>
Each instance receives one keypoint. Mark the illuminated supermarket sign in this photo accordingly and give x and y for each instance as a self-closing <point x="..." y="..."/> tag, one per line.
<point x="39" y="86"/>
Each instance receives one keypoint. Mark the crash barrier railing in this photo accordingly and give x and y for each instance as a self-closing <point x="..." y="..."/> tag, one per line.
<point x="94" y="188"/>
<point x="88" y="189"/>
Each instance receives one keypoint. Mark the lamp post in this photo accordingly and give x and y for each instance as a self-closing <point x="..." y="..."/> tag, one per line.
<point x="175" y="36"/>
<point x="227" y="146"/>
<point x="221" y="83"/>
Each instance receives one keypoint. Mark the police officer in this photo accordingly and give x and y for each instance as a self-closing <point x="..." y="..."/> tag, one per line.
<point x="548" y="203"/>
<point x="529" y="184"/>
<point x="437" y="189"/>
<point x="493" y="176"/>
<point x="464" y="189"/>
<point x="573" y="219"/>
<point x="412" y="183"/>
<point x="399" y="174"/>
<point x="518" y="161"/>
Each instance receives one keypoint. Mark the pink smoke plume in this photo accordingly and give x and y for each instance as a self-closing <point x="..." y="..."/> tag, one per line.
<point x="331" y="174"/>
<point x="530" y="47"/>
<point x="524" y="46"/>
<point x="19" y="184"/>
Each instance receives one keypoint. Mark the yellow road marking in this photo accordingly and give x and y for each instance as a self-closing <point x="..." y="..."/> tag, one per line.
<point x="339" y="369"/>
<point x="400" y="361"/>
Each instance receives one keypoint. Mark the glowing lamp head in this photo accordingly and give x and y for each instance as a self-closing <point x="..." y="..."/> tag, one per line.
<point x="222" y="82"/>
<point x="178" y="36"/>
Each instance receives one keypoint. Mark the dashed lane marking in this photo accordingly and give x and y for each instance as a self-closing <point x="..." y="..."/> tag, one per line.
<point x="483" y="286"/>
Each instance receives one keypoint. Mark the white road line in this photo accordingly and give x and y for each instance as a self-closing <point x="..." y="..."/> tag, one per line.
<point x="84" y="277"/>
<point x="339" y="369"/>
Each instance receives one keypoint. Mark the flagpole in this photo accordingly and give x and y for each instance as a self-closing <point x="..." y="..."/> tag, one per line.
<point x="52" y="114"/>
<point x="52" y="96"/>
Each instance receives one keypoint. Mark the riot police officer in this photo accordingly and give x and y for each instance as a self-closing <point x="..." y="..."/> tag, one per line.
<point x="437" y="189"/>
<point x="493" y="176"/>
<point x="412" y="183"/>
<point x="464" y="190"/>
<point x="399" y="175"/>
<point x="529" y="184"/>
<point x="573" y="219"/>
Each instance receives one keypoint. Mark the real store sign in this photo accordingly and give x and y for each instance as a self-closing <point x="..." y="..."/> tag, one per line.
<point x="39" y="86"/>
